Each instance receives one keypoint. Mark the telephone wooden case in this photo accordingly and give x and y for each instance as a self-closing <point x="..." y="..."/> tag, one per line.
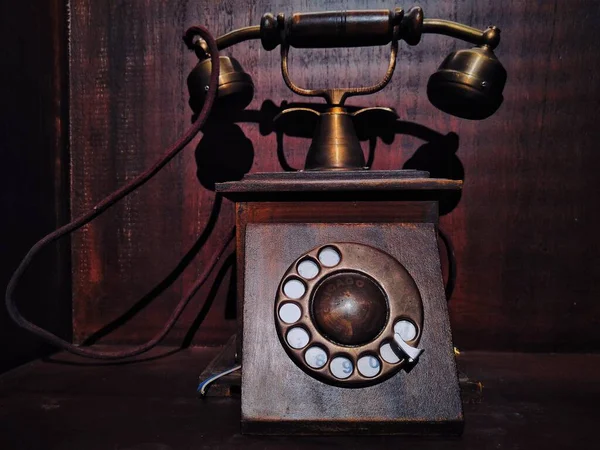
<point x="331" y="266"/>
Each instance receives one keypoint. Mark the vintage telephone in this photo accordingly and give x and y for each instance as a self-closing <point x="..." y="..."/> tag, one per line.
<point x="343" y="320"/>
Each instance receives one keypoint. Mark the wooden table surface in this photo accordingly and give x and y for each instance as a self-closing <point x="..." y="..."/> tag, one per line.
<point x="543" y="401"/>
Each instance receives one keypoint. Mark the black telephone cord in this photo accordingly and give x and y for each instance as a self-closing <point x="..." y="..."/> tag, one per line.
<point x="105" y="204"/>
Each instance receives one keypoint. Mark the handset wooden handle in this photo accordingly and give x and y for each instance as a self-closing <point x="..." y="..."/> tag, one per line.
<point x="340" y="28"/>
<point x="358" y="28"/>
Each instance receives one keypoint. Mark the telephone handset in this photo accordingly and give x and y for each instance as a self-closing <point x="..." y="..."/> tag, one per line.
<point x="468" y="83"/>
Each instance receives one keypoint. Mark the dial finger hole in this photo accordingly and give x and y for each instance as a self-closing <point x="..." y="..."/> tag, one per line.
<point x="297" y="337"/>
<point x="406" y="329"/>
<point x="341" y="367"/>
<point x="308" y="269"/>
<point x="294" y="288"/>
<point x="315" y="357"/>
<point x="388" y="354"/>
<point x="368" y="366"/>
<point x="290" y="312"/>
<point x="329" y="256"/>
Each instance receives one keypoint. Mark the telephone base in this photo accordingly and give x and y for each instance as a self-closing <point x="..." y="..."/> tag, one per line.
<point x="283" y="220"/>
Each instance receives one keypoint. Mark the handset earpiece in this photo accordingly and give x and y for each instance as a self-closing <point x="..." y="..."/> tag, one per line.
<point x="469" y="83"/>
<point x="236" y="88"/>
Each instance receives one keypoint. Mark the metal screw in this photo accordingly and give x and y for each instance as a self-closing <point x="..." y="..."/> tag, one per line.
<point x="281" y="20"/>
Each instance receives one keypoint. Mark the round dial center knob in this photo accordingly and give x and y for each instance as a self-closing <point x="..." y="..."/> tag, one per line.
<point x="349" y="308"/>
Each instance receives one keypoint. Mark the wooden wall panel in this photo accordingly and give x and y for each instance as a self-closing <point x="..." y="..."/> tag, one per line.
<point x="524" y="228"/>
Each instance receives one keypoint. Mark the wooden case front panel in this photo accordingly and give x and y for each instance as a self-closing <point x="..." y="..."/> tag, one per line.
<point x="278" y="397"/>
<point x="389" y="211"/>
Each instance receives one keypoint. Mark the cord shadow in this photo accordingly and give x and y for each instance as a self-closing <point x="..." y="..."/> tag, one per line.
<point x="228" y="264"/>
<point x="165" y="283"/>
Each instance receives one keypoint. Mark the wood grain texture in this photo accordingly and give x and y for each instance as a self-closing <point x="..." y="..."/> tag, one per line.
<point x="424" y="401"/>
<point x="340" y="212"/>
<point x="524" y="230"/>
<point x="311" y="208"/>
<point x="323" y="187"/>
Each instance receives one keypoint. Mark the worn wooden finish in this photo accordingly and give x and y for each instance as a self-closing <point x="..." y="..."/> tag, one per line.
<point x="382" y="182"/>
<point x="313" y="210"/>
<point x="341" y="212"/>
<point x="424" y="401"/>
<point x="299" y="403"/>
<point x="524" y="229"/>
<point x="34" y="195"/>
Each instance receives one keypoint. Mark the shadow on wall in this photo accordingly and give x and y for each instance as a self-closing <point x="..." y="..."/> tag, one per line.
<point x="226" y="154"/>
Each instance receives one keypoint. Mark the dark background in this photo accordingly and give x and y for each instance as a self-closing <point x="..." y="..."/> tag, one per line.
<point x="524" y="229"/>
<point x="34" y="195"/>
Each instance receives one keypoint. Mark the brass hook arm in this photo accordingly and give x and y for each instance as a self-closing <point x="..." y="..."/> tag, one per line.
<point x="237" y="36"/>
<point x="489" y="37"/>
